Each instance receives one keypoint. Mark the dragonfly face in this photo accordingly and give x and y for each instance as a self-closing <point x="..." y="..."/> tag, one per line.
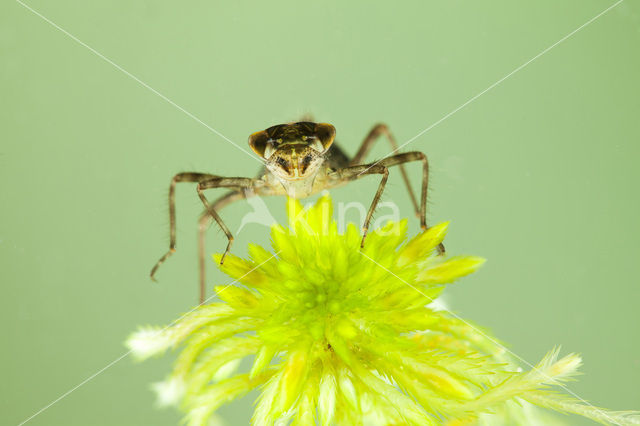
<point x="294" y="153"/>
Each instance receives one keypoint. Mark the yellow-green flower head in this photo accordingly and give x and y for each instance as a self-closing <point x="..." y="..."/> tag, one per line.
<point x="340" y="334"/>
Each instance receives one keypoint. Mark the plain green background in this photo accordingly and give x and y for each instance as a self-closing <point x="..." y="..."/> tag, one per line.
<point x="539" y="175"/>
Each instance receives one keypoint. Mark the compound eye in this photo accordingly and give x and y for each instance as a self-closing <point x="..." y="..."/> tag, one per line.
<point x="261" y="144"/>
<point x="325" y="133"/>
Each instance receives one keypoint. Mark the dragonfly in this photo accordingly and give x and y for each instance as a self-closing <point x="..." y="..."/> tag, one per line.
<point x="300" y="159"/>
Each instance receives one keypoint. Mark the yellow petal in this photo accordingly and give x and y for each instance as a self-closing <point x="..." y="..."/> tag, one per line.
<point x="346" y="329"/>
<point x="306" y="412"/>
<point x="443" y="382"/>
<point x="327" y="398"/>
<point x="233" y="265"/>
<point x="294" y="209"/>
<point x="283" y="243"/>
<point x="293" y="377"/>
<point x="237" y="297"/>
<point x="450" y="270"/>
<point x="422" y="244"/>
<point x="347" y="389"/>
<point x="259" y="254"/>
<point x="319" y="216"/>
<point x="263" y="358"/>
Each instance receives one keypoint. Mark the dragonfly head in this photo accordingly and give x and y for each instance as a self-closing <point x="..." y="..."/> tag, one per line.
<point x="294" y="153"/>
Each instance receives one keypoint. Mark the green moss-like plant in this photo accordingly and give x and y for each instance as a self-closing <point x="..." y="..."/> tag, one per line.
<point x="350" y="336"/>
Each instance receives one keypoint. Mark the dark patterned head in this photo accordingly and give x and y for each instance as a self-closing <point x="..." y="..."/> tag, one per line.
<point x="294" y="151"/>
